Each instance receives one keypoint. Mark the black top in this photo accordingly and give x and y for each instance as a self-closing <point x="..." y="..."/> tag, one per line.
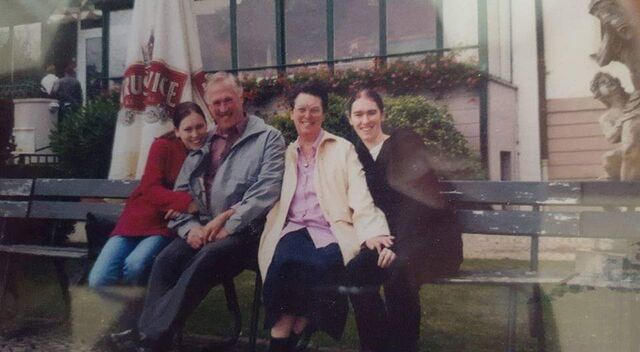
<point x="67" y="90"/>
<point x="406" y="189"/>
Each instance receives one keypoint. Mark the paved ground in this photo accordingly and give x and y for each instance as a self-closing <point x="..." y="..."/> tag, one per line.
<point x="40" y="337"/>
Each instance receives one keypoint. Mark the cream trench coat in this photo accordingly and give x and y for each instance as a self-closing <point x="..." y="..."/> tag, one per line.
<point x="343" y="195"/>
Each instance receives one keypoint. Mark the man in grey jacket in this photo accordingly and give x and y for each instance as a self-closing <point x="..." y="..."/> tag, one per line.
<point x="234" y="178"/>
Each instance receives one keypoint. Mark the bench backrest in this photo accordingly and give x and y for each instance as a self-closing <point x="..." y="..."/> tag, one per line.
<point x="58" y="198"/>
<point x="547" y="209"/>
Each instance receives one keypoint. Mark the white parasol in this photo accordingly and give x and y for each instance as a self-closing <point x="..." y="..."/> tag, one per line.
<point x="163" y="68"/>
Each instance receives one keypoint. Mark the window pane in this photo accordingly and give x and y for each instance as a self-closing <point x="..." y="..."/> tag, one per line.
<point x="356" y="28"/>
<point x="118" y="34"/>
<point x="5" y="52"/>
<point x="256" y="33"/>
<point x="27" y="46"/>
<point x="411" y="26"/>
<point x="306" y="30"/>
<point x="214" y="33"/>
<point x="460" y="22"/>
<point x="93" y="67"/>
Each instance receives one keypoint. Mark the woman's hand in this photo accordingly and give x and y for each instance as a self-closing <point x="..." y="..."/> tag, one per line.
<point x="192" y="208"/>
<point x="196" y="237"/>
<point x="386" y="257"/>
<point x="379" y="243"/>
<point x="171" y="214"/>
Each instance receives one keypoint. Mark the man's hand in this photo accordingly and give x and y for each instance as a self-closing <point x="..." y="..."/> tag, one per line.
<point x="221" y="234"/>
<point x="196" y="237"/>
<point x="215" y="226"/>
<point x="379" y="243"/>
<point x="385" y="258"/>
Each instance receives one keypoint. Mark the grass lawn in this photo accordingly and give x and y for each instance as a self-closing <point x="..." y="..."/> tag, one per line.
<point x="455" y="317"/>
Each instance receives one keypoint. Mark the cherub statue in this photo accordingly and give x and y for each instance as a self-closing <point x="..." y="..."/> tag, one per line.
<point x="620" y="124"/>
<point x="609" y="91"/>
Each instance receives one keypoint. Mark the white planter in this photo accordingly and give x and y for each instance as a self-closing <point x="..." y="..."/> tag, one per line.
<point x="33" y="122"/>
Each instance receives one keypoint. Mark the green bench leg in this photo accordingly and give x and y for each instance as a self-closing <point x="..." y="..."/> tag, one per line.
<point x="255" y="314"/>
<point x="4" y="278"/>
<point x="511" y="319"/>
<point x="63" y="280"/>
<point x="536" y="319"/>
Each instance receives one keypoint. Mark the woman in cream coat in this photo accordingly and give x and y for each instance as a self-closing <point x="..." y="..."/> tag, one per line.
<point x="324" y="216"/>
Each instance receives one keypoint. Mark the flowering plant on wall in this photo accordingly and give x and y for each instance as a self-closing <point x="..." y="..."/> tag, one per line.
<point x="433" y="73"/>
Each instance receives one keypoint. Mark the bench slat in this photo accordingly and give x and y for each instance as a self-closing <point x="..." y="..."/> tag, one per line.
<point x="611" y="193"/>
<point x="505" y="278"/>
<point x="520" y="223"/>
<point x="15" y="187"/>
<point x="59" y="252"/>
<point x="515" y="193"/>
<point x="610" y="224"/>
<point x="86" y="188"/>
<point x="72" y="210"/>
<point x="13" y="209"/>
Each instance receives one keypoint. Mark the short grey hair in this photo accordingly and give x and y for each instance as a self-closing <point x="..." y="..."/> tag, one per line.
<point x="222" y="77"/>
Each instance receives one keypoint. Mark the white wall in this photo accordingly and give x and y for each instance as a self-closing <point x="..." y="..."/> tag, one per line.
<point x="525" y="77"/>
<point x="571" y="35"/>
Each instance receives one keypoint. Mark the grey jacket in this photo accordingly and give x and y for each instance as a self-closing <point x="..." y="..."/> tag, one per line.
<point x="249" y="179"/>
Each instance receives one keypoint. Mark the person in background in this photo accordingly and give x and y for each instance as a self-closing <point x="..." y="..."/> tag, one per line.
<point x="141" y="231"/>
<point x="68" y="91"/>
<point x="427" y="236"/>
<point x="46" y="84"/>
<point x="325" y="215"/>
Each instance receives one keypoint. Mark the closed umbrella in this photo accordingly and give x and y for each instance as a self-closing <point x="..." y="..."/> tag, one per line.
<point x="163" y="68"/>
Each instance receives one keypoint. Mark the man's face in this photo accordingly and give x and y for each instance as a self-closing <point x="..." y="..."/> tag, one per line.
<point x="225" y="106"/>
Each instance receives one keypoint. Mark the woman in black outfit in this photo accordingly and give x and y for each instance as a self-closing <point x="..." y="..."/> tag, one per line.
<point x="427" y="238"/>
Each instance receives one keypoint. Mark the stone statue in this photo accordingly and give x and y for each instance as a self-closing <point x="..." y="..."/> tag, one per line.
<point x="619" y="40"/>
<point x="609" y="91"/>
<point x="620" y="123"/>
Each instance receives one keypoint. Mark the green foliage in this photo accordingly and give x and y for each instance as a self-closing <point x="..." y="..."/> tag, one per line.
<point x="448" y="147"/>
<point x="450" y="152"/>
<point x="83" y="140"/>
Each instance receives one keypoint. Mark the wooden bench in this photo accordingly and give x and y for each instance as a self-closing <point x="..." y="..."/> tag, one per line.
<point x="60" y="200"/>
<point x="532" y="209"/>
<point x="543" y="210"/>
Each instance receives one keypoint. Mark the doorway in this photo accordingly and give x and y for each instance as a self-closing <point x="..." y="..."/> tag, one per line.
<point x="89" y="68"/>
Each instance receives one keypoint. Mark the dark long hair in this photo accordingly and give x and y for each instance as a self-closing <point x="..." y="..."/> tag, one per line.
<point x="367" y="93"/>
<point x="183" y="110"/>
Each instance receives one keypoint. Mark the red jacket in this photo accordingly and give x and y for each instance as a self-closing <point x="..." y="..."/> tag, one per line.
<point x="144" y="212"/>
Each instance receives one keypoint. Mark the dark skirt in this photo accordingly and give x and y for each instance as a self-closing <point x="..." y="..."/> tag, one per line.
<point x="303" y="281"/>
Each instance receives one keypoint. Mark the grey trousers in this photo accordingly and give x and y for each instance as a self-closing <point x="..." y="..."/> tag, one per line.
<point x="181" y="278"/>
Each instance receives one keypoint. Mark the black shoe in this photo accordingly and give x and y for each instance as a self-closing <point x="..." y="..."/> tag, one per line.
<point x="126" y="341"/>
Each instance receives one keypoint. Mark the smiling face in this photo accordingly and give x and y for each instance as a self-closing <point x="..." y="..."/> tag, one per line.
<point x="192" y="131"/>
<point x="307" y="116"/>
<point x="225" y="105"/>
<point x="366" y="120"/>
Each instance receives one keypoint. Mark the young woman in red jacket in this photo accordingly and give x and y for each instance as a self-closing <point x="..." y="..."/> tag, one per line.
<point x="141" y="232"/>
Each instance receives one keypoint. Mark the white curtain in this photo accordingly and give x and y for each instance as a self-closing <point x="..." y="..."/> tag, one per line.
<point x="163" y="68"/>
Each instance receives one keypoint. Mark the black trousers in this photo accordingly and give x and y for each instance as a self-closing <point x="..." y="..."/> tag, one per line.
<point x="392" y="324"/>
<point x="181" y="278"/>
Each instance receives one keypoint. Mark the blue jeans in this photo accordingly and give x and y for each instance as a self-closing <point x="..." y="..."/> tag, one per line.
<point x="126" y="259"/>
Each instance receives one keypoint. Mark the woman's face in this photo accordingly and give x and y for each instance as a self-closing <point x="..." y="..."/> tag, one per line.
<point x="366" y="119"/>
<point x="307" y="115"/>
<point x="192" y="131"/>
